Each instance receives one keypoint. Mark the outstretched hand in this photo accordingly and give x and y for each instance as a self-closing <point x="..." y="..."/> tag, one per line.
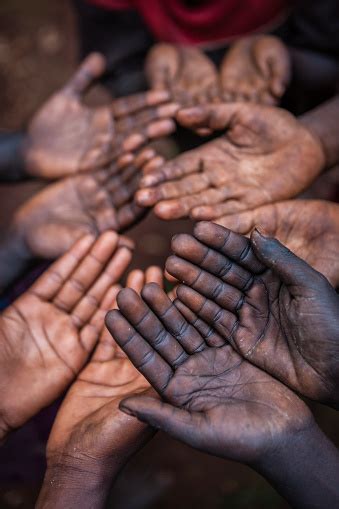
<point x="255" y="69"/>
<point x="52" y="220"/>
<point x="213" y="399"/>
<point x="309" y="228"/>
<point x="48" y="333"/>
<point x="186" y="72"/>
<point x="275" y="310"/>
<point x="66" y="137"/>
<point x="265" y="155"/>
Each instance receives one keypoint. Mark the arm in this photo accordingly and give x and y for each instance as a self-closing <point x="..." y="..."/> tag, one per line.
<point x="12" y="162"/>
<point x="305" y="470"/>
<point x="323" y="122"/>
<point x="14" y="257"/>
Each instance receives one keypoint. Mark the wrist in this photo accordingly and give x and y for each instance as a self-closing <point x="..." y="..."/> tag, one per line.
<point x="321" y="122"/>
<point x="304" y="468"/>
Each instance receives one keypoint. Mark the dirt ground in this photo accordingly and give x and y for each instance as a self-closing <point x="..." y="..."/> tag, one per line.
<point x="38" y="51"/>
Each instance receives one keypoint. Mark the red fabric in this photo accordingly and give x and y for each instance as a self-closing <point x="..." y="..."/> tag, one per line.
<point x="213" y="20"/>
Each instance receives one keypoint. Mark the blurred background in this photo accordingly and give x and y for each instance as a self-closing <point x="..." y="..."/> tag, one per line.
<point x="38" y="52"/>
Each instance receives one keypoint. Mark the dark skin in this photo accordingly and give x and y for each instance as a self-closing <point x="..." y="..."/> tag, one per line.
<point x="91" y="438"/>
<point x="309" y="228"/>
<point x="275" y="310"/>
<point x="52" y="220"/>
<point x="255" y="69"/>
<point x="265" y="155"/>
<point x="91" y="137"/>
<point x="186" y="72"/>
<point x="49" y="332"/>
<point x="217" y="402"/>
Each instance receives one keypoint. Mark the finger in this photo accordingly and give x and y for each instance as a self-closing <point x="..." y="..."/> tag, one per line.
<point x="156" y="129"/>
<point x="136" y="280"/>
<point x="87" y="272"/>
<point x="232" y="245"/>
<point x="140" y="352"/>
<point x="143" y="118"/>
<point x="214" y="262"/>
<point x="133" y="103"/>
<point x="212" y="116"/>
<point x="239" y="223"/>
<point x="154" y="274"/>
<point x="161" y="65"/>
<point x="221" y="320"/>
<point x="173" y="321"/>
<point x="126" y="192"/>
<point x="129" y="214"/>
<point x="91" y="69"/>
<point x="182" y="165"/>
<point x="178" y="188"/>
<point x="154" y="164"/>
<point x="207" y="332"/>
<point x="206" y="284"/>
<point x="88" y="305"/>
<point x="52" y="280"/>
<point x="292" y="270"/>
<point x="209" y="212"/>
<point x="146" y="323"/>
<point x="179" y="423"/>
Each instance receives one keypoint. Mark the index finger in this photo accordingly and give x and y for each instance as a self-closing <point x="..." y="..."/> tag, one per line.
<point x="136" y="102"/>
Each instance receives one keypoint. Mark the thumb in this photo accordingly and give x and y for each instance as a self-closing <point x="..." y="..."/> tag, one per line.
<point x="89" y="70"/>
<point x="177" y="422"/>
<point x="272" y="59"/>
<point x="215" y="117"/>
<point x="290" y="268"/>
<point x="162" y="65"/>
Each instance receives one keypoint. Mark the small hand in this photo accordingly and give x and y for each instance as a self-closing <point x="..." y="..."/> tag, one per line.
<point x="215" y="400"/>
<point x="186" y="72"/>
<point x="309" y="228"/>
<point x="51" y="221"/>
<point x="66" y="136"/>
<point x="275" y="310"/>
<point x="255" y="69"/>
<point x="48" y="333"/>
<point x="264" y="156"/>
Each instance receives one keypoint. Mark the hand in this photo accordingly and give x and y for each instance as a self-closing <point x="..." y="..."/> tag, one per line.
<point x="227" y="407"/>
<point x="255" y="69"/>
<point x="265" y="155"/>
<point x="48" y="333"/>
<point x="275" y="310"/>
<point x="91" y="438"/>
<point x="186" y="72"/>
<point x="66" y="137"/>
<point x="309" y="228"/>
<point x="51" y="221"/>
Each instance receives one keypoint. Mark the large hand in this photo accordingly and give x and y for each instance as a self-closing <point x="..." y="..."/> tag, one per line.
<point x="65" y="136"/>
<point x="48" y="333"/>
<point x="186" y="72"/>
<point x="51" y="221"/>
<point x="256" y="69"/>
<point x="275" y="310"/>
<point x="265" y="155"/>
<point x="227" y="406"/>
<point x="309" y="228"/>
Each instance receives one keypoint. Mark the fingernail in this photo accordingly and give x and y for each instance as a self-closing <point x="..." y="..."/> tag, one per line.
<point x="126" y="410"/>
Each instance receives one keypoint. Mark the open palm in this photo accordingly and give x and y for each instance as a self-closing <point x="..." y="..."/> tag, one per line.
<point x="49" y="332"/>
<point x="274" y="309"/>
<point x="265" y="155"/>
<point x="223" y="401"/>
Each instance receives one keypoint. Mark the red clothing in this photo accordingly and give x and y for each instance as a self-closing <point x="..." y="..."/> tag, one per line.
<point x="207" y="22"/>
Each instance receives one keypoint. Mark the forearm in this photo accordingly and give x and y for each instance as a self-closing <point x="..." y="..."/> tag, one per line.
<point x="323" y="122"/>
<point x="12" y="161"/>
<point x="305" y="470"/>
<point x="76" y="485"/>
<point x="14" y="257"/>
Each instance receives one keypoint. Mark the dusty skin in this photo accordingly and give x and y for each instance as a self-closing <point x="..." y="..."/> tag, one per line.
<point x="309" y="228"/>
<point x="66" y="136"/>
<point x="213" y="399"/>
<point x="255" y="69"/>
<point x="264" y="155"/>
<point x="48" y="333"/>
<point x="275" y="310"/>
